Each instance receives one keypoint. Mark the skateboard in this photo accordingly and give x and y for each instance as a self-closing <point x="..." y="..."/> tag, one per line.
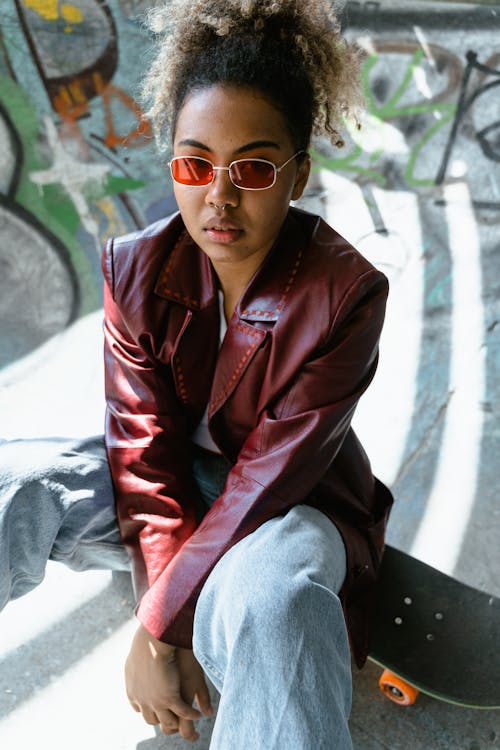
<point x="435" y="635"/>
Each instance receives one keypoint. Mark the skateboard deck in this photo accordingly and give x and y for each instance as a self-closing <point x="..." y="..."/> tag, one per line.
<point x="435" y="634"/>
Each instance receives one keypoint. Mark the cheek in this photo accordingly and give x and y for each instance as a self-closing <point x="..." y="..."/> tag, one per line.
<point x="189" y="202"/>
<point x="181" y="195"/>
<point x="277" y="206"/>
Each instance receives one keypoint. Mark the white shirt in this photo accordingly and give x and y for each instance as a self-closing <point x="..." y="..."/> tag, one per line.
<point x="201" y="436"/>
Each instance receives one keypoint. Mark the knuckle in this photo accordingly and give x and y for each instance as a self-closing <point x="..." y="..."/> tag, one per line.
<point x="188" y="733"/>
<point x="168" y="729"/>
<point x="180" y="709"/>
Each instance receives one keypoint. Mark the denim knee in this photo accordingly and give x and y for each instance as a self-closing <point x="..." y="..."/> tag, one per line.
<point x="56" y="502"/>
<point x="274" y="578"/>
<point x="271" y="635"/>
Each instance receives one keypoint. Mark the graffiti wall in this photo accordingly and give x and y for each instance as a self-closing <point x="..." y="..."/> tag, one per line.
<point x="426" y="171"/>
<point x="77" y="162"/>
<point x="417" y="189"/>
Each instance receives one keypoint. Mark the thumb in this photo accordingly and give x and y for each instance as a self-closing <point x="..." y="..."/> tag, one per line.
<point x="203" y="698"/>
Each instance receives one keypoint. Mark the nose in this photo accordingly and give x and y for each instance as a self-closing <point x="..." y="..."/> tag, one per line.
<point x="222" y="191"/>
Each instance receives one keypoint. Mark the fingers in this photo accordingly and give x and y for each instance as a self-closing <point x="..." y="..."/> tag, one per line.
<point x="168" y="721"/>
<point x="193" y="681"/>
<point x="203" y="698"/>
<point x="179" y="719"/>
<point x="161" y="683"/>
<point x="149" y="716"/>
<point x="170" y="724"/>
<point x="183" y="710"/>
<point x="187" y="730"/>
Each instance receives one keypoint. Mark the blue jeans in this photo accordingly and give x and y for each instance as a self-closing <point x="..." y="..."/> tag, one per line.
<point x="269" y="629"/>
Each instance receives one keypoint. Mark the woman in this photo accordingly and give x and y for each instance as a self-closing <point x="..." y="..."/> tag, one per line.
<point x="240" y="334"/>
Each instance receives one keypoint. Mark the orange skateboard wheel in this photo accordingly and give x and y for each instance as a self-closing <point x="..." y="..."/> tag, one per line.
<point x="396" y="689"/>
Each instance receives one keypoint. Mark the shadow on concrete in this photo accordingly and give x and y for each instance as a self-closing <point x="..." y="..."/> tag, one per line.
<point x="37" y="663"/>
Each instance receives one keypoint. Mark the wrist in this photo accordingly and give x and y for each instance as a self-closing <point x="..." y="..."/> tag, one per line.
<point x="156" y="647"/>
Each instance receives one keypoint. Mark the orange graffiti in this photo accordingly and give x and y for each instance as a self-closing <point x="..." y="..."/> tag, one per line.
<point x="71" y="103"/>
<point x="112" y="138"/>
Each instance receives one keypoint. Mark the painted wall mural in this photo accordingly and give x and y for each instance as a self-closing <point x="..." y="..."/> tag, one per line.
<point x="76" y="157"/>
<point x="417" y="190"/>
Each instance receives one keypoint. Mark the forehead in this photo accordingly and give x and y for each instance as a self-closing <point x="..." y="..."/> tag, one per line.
<point x="224" y="118"/>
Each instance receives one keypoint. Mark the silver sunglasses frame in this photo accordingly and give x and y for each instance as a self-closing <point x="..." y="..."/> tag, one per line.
<point x="215" y="169"/>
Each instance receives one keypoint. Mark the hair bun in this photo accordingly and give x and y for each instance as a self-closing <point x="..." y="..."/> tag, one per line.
<point x="303" y="37"/>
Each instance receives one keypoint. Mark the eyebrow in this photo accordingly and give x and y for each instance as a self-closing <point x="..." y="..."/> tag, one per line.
<point x="241" y="150"/>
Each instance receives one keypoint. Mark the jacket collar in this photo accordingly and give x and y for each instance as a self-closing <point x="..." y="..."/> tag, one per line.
<point x="188" y="278"/>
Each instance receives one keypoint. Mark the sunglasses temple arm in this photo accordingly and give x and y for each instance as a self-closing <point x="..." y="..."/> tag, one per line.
<point x="278" y="169"/>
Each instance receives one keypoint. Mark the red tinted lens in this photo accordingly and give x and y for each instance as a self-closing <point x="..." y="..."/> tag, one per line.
<point x="252" y="174"/>
<point x="190" y="170"/>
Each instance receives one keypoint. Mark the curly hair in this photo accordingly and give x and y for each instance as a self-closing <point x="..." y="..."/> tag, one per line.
<point x="291" y="51"/>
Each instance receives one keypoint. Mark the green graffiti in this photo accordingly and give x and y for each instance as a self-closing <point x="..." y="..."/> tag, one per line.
<point x="50" y="205"/>
<point x="345" y="165"/>
<point x="383" y="113"/>
<point x="415" y="152"/>
<point x="112" y="185"/>
<point x="390" y="109"/>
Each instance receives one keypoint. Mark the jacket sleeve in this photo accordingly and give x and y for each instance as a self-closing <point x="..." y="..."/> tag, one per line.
<point x="282" y="459"/>
<point x="144" y="423"/>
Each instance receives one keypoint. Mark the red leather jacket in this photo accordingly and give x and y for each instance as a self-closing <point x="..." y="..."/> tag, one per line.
<point x="300" y="349"/>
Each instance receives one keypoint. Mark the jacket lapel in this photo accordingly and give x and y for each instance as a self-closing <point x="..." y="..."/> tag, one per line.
<point x="257" y="312"/>
<point x="240" y="344"/>
<point x="188" y="279"/>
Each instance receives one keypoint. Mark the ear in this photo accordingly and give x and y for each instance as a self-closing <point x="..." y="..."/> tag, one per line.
<point x="302" y="177"/>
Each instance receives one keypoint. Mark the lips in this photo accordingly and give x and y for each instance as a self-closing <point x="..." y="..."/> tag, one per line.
<point x="222" y="224"/>
<point x="223" y="230"/>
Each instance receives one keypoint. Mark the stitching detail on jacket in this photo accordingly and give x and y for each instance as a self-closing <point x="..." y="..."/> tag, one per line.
<point x="239" y="367"/>
<point x="225" y="391"/>
<point x="219" y="398"/>
<point x="181" y="297"/>
<point x="166" y="273"/>
<point x="180" y="380"/>
<point x="289" y="284"/>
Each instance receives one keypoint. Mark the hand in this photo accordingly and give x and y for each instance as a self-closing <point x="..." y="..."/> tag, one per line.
<point x="162" y="682"/>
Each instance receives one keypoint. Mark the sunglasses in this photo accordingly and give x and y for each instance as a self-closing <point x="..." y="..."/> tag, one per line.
<point x="246" y="174"/>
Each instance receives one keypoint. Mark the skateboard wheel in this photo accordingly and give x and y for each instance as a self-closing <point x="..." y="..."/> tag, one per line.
<point x="396" y="689"/>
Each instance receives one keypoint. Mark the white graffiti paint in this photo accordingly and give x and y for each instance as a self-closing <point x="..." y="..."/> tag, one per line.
<point x="7" y="157"/>
<point x="73" y="175"/>
<point x="449" y="507"/>
<point x="376" y="136"/>
<point x="398" y="253"/>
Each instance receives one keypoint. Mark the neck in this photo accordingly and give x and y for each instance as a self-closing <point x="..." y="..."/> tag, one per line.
<point x="234" y="277"/>
<point x="232" y="285"/>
